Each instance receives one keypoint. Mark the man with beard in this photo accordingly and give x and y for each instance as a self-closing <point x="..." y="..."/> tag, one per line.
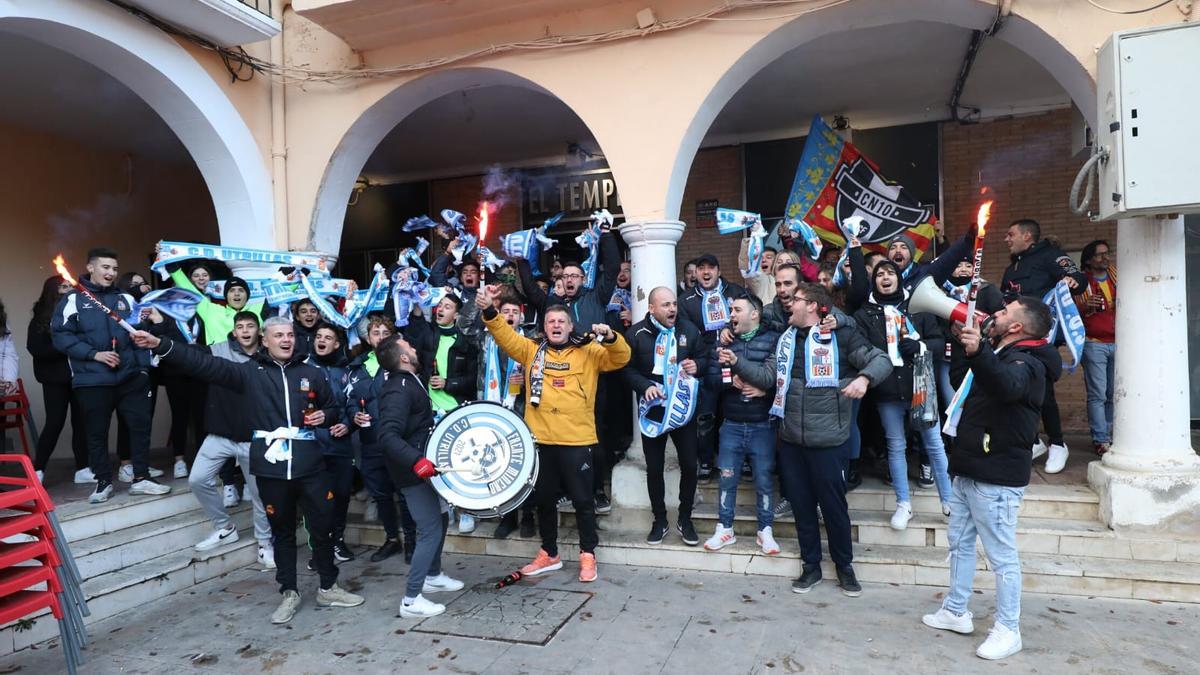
<point x="662" y="350"/>
<point x="1036" y="267"/>
<point x="903" y="252"/>
<point x="227" y="422"/>
<point x="561" y="375"/>
<point x="285" y="400"/>
<point x="108" y="372"/>
<point x="707" y="308"/>
<point x="991" y="463"/>
<point x="335" y="443"/>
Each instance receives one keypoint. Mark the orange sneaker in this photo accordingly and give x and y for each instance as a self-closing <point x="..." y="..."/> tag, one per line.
<point x="542" y="563"/>
<point x="587" y="567"/>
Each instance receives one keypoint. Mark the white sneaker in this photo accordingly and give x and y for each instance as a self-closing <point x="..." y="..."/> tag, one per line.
<point x="181" y="470"/>
<point x="721" y="538"/>
<point x="266" y="557"/>
<point x="125" y="473"/>
<point x="101" y="494"/>
<point x="419" y="608"/>
<point x="218" y="538"/>
<point x="946" y="509"/>
<point x="287" y="607"/>
<point x="466" y="524"/>
<point x="1000" y="643"/>
<point x="155" y="473"/>
<point x="902" y="515"/>
<point x="441" y="584"/>
<point x="944" y="619"/>
<point x="1039" y="448"/>
<point x="231" y="496"/>
<point x="371" y="514"/>
<point x="41" y="475"/>
<point x="85" y="476"/>
<point x="1057" y="459"/>
<point x="148" y="486"/>
<point x="766" y="541"/>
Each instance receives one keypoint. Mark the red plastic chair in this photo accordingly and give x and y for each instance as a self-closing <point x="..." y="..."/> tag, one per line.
<point x="15" y="414"/>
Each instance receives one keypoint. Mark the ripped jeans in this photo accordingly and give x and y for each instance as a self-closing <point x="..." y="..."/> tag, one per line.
<point x="989" y="512"/>
<point x="739" y="440"/>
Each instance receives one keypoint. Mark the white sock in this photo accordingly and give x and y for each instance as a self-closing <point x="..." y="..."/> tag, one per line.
<point x="409" y="601"/>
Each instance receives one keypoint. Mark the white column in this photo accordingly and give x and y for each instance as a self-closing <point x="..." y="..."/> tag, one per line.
<point x="1151" y="476"/>
<point x="652" y="264"/>
<point x="652" y="258"/>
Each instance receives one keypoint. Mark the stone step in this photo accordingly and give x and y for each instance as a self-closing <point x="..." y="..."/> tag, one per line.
<point x="1041" y="573"/>
<point x="81" y="520"/>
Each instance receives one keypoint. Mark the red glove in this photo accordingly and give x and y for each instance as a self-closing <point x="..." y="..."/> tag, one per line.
<point x="424" y="468"/>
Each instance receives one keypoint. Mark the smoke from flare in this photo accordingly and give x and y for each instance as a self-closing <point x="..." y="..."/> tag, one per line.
<point x="60" y="266"/>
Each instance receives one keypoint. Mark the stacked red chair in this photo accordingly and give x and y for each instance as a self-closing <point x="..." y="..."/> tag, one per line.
<point x="16" y="414"/>
<point x="37" y="570"/>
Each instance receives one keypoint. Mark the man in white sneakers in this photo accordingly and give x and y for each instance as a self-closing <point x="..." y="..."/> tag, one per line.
<point x="229" y="436"/>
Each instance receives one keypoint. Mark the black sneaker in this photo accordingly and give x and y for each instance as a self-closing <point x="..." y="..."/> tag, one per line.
<point x="527" y="527"/>
<point x="687" y="532"/>
<point x="809" y="577"/>
<point x="853" y="477"/>
<point x="926" y="478"/>
<point x="848" y="582"/>
<point x="657" y="531"/>
<point x="603" y="505"/>
<point x="783" y="508"/>
<point x="104" y="490"/>
<point x="342" y="552"/>
<point x="705" y="474"/>
<point x="507" y="525"/>
<point x="410" y="547"/>
<point x="563" y="502"/>
<point x="390" y="548"/>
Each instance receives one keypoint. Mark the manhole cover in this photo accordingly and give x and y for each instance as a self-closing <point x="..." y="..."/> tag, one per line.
<point x="519" y="614"/>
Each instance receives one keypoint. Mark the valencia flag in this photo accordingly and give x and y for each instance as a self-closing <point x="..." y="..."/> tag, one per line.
<point x="835" y="181"/>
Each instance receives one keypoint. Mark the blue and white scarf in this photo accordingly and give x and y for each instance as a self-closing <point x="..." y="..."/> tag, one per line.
<point x="680" y="390"/>
<point x="495" y="386"/>
<point x="714" y="307"/>
<point x="955" y="409"/>
<point x="959" y="293"/>
<point x="820" y="364"/>
<point x="811" y="241"/>
<point x="589" y="240"/>
<point x="896" y="326"/>
<point x="621" y="300"/>
<point x="178" y="303"/>
<point x="732" y="220"/>
<point x="1065" y="315"/>
<point x="524" y="244"/>
<point x="754" y="252"/>
<point x="175" y="252"/>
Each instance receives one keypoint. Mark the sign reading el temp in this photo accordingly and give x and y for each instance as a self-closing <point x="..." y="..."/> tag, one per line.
<point x="575" y="193"/>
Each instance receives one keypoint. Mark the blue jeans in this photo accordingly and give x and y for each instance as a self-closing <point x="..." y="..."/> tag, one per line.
<point x="756" y="441"/>
<point x="989" y="512"/>
<point x="894" y="416"/>
<point x="1099" y="373"/>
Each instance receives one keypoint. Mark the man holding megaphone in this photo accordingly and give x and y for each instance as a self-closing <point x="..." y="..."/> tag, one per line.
<point x="994" y="416"/>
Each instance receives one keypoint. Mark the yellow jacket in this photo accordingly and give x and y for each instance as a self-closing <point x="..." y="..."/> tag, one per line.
<point x="566" y="414"/>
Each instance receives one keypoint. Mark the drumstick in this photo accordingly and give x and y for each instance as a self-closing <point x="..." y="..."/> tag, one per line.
<point x="448" y="469"/>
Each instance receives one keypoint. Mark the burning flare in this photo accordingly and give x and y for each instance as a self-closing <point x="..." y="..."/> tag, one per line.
<point x="60" y="266"/>
<point x="484" y="208"/>
<point x="985" y="213"/>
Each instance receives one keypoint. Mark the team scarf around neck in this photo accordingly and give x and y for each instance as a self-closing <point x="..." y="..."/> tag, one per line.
<point x="897" y="325"/>
<point x="1065" y="315"/>
<point x="680" y="390"/>
<point x="955" y="409"/>
<point x="715" y="307"/>
<point x="820" y="364"/>
<point x="959" y="293"/>
<point x="496" y="387"/>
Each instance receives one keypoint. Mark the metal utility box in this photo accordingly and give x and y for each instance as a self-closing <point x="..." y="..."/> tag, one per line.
<point x="1148" y="95"/>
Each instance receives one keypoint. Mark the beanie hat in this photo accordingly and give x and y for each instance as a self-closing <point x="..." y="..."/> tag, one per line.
<point x="908" y="242"/>
<point x="236" y="282"/>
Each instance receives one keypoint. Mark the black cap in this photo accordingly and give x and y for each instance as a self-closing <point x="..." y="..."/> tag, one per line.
<point x="707" y="259"/>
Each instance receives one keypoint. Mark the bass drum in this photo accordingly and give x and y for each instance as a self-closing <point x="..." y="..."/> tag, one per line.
<point x="486" y="459"/>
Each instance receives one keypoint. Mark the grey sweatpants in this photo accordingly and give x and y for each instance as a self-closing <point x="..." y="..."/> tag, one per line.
<point x="428" y="511"/>
<point x="203" y="481"/>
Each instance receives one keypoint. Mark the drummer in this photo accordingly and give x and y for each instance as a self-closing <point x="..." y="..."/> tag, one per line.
<point x="405" y="418"/>
<point x="561" y="373"/>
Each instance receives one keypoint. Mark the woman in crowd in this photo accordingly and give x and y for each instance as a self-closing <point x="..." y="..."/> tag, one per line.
<point x="50" y="368"/>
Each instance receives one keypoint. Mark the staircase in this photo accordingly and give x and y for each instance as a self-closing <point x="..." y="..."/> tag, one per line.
<point x="1064" y="547"/>
<point x="132" y="550"/>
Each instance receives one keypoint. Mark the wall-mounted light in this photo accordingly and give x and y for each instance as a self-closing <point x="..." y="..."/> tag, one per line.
<point x="360" y="184"/>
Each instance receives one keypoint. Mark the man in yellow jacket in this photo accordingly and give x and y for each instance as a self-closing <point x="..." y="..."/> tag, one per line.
<point x="561" y="372"/>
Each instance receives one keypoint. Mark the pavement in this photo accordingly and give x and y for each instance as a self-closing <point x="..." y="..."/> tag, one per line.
<point x="633" y="620"/>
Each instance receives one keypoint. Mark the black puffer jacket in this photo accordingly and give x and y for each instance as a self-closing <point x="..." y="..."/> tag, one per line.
<point x="274" y="394"/>
<point x="337" y="376"/>
<point x="462" y="367"/>
<point x="81" y="330"/>
<point x="641" y="336"/>
<point x="49" y="365"/>
<point x="405" y="418"/>
<point x="1000" y="418"/>
<point x="1036" y="270"/>
<point x="691" y="307"/>
<point x="364" y="394"/>
<point x="225" y="412"/>
<point x="757" y="349"/>
<point x="899" y="385"/>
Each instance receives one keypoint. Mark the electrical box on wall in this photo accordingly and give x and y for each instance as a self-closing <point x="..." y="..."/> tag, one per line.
<point x="1148" y="95"/>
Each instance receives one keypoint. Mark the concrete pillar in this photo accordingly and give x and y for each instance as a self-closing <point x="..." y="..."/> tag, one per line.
<point x="1150" y="479"/>
<point x="652" y="264"/>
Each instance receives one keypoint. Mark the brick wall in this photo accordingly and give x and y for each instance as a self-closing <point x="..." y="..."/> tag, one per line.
<point x="716" y="174"/>
<point x="1027" y="165"/>
<point x="464" y="194"/>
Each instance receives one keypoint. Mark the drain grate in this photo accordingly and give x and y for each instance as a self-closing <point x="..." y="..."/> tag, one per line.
<point x="520" y="615"/>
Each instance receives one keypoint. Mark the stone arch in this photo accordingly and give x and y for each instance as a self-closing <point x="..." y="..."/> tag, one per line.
<point x="174" y="85"/>
<point x="1022" y="33"/>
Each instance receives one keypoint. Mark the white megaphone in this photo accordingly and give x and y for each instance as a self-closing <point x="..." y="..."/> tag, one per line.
<point x="928" y="297"/>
